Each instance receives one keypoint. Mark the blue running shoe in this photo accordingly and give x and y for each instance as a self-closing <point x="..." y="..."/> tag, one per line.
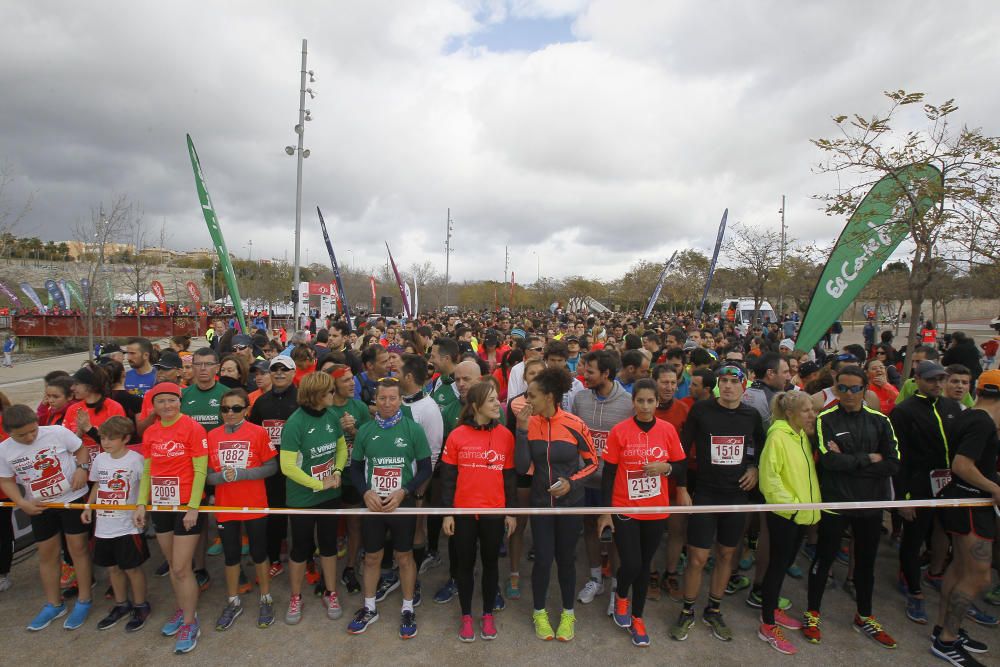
<point x="45" y="617"/>
<point x="447" y="592"/>
<point x="187" y="637"/>
<point x="81" y="610"/>
<point x="171" y="627"/>
<point x="622" y="615"/>
<point x="386" y="585"/>
<point x="981" y="617"/>
<point x="407" y="625"/>
<point x="362" y="619"/>
<point x="915" y="610"/>
<point x="637" y="629"/>
<point x="499" y="604"/>
<point x="417" y="597"/>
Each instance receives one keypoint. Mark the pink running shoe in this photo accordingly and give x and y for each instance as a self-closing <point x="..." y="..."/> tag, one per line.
<point x="773" y="635"/>
<point x="467" y="633"/>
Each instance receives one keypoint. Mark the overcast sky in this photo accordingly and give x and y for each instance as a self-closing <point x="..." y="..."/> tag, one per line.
<point x="587" y="134"/>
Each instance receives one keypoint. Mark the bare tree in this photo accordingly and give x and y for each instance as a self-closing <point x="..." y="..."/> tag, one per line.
<point x="10" y="214"/>
<point x="755" y="253"/>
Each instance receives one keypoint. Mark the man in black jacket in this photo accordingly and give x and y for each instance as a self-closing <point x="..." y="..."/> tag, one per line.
<point x="923" y="425"/>
<point x="858" y="455"/>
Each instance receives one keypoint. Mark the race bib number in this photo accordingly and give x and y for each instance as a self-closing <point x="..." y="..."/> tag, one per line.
<point x="727" y="450"/>
<point x="273" y="428"/>
<point x="49" y="487"/>
<point x="386" y="480"/>
<point x="166" y="490"/>
<point x="234" y="454"/>
<point x="109" y="497"/>
<point x="322" y="471"/>
<point x="600" y="439"/>
<point x="641" y="486"/>
<point x="939" y="479"/>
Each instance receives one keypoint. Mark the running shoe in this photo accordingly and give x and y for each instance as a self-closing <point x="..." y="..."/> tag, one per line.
<point x="245" y="546"/>
<point x="748" y="560"/>
<point x="499" y="604"/>
<point x="77" y="617"/>
<point x="774" y="636"/>
<point x="843" y="555"/>
<point x="67" y="576"/>
<point x="954" y="653"/>
<point x="653" y="592"/>
<point x="215" y="549"/>
<point x="276" y="569"/>
<point x="915" y="610"/>
<point x="294" y="613"/>
<point x="786" y="621"/>
<point x="679" y="630"/>
<point x="567" y="623"/>
<point x="117" y="613"/>
<point x="265" y="613"/>
<point x="140" y="613"/>
<point x="810" y="627"/>
<point x="187" y="637"/>
<point x="45" y="617"/>
<point x="981" y="617"/>
<point x="431" y="561"/>
<point x="622" y="615"/>
<point x="992" y="596"/>
<point x="244" y="584"/>
<point x="756" y="601"/>
<point x="174" y="624"/>
<point x="543" y="629"/>
<point x="514" y="588"/>
<point x="350" y="580"/>
<point x="714" y="620"/>
<point x="971" y="645"/>
<point x="312" y="574"/>
<point x="794" y="571"/>
<point x="737" y="583"/>
<point x="407" y="625"/>
<point x="5" y="583"/>
<point x="933" y="580"/>
<point x="467" y="632"/>
<point x="204" y="581"/>
<point x="109" y="593"/>
<point x="232" y="611"/>
<point x="363" y="618"/>
<point x="163" y="569"/>
<point x="332" y="604"/>
<point x="672" y="585"/>
<point x="447" y="592"/>
<point x="386" y="584"/>
<point x="873" y="629"/>
<point x="637" y="629"/>
<point x="590" y="590"/>
<point x="417" y="597"/>
<point x="488" y="628"/>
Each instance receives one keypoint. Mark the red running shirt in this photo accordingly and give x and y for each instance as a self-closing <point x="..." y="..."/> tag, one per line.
<point x="481" y="456"/>
<point x="170" y="450"/>
<point x="110" y="408"/>
<point x="631" y="448"/>
<point x="248" y="447"/>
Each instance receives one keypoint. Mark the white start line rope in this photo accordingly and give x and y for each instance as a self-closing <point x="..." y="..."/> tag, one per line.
<point x="531" y="511"/>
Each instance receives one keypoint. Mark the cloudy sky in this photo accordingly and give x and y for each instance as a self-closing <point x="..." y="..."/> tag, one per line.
<point x="584" y="135"/>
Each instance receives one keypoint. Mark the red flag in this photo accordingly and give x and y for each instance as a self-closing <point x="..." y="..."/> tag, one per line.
<point x="372" y="279"/>
<point x="195" y="295"/>
<point x="399" y="282"/>
<point x="157" y="287"/>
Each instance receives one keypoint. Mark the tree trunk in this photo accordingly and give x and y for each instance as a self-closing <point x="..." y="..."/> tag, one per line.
<point x="944" y="312"/>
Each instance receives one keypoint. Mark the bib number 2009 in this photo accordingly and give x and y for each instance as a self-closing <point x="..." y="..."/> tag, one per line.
<point x="166" y="490"/>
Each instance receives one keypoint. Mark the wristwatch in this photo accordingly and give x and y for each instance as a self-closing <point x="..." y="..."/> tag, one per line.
<point x="84" y="466"/>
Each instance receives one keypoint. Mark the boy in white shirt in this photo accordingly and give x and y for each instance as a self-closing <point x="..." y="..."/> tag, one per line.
<point x="120" y="546"/>
<point x="52" y="465"/>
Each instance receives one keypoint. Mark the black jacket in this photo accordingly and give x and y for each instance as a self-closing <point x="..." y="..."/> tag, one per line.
<point x="923" y="428"/>
<point x="850" y="475"/>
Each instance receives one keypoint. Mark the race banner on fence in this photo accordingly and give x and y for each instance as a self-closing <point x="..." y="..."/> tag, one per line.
<point x="195" y="294"/>
<point x="10" y="295"/>
<point x="874" y="231"/>
<point x="161" y="297"/>
<point x="55" y="294"/>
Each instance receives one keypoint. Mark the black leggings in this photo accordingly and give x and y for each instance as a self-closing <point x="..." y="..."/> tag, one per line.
<point x="785" y="536"/>
<point x="6" y="539"/>
<point x="914" y="534"/>
<point x="232" y="545"/>
<point x="637" y="541"/>
<point x="324" y="526"/>
<point x="487" y="531"/>
<point x="554" y="538"/>
<point x="277" y="524"/>
<point x="866" y="531"/>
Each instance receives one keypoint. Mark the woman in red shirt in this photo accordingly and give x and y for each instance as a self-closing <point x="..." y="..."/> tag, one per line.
<point x="477" y="470"/>
<point x="240" y="458"/>
<point x="878" y="383"/>
<point x="176" y="453"/>
<point x="92" y="388"/>
<point x="642" y="453"/>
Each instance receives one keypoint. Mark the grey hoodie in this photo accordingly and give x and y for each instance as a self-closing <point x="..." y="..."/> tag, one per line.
<point x="600" y="416"/>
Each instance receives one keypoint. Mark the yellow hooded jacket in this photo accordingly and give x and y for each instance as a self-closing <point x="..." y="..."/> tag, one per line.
<point x="788" y="472"/>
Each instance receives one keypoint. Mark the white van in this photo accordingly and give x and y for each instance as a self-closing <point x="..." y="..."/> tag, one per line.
<point x="743" y="307"/>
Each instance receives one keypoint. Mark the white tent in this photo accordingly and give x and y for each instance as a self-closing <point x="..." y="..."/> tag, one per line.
<point x="257" y="304"/>
<point x="126" y="297"/>
<point x="586" y="303"/>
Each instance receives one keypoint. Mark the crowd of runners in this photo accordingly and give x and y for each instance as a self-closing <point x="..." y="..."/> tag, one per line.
<point x="490" y="410"/>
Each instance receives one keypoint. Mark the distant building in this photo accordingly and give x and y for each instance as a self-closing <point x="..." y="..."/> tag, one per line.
<point x="78" y="249"/>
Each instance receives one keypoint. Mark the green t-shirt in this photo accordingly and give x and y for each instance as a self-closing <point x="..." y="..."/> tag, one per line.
<point x="203" y="406"/>
<point x="390" y="454"/>
<point x="317" y="443"/>
<point x="361" y="415"/>
<point x="445" y="395"/>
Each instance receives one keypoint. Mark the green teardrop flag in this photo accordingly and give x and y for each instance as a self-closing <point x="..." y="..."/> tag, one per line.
<point x="877" y="227"/>
<point x="217" y="239"/>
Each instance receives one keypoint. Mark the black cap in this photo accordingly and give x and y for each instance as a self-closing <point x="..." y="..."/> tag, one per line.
<point x="261" y="365"/>
<point x="808" y="368"/>
<point x="241" y="339"/>
<point x="169" y="359"/>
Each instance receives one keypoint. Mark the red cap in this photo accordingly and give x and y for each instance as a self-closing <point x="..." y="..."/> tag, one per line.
<point x="165" y="388"/>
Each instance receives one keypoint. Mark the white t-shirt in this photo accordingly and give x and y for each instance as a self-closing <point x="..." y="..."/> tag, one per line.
<point x="45" y="467"/>
<point x="117" y="484"/>
<point x="515" y="381"/>
<point x="426" y="413"/>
